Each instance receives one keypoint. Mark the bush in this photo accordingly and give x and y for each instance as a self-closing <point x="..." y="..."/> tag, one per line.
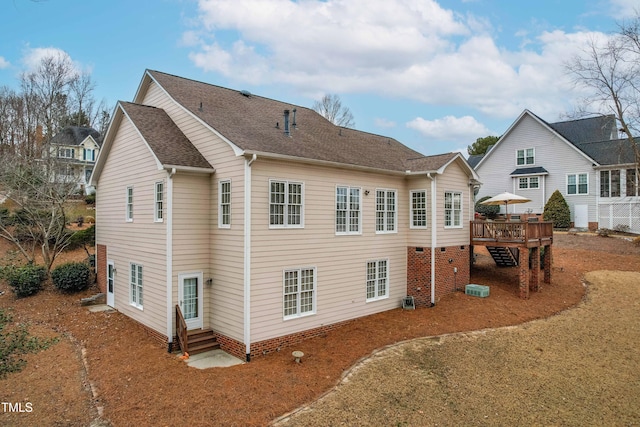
<point x="26" y="280"/>
<point x="90" y="199"/>
<point x="490" y="211"/>
<point x="86" y="237"/>
<point x="557" y="210"/>
<point x="71" y="277"/>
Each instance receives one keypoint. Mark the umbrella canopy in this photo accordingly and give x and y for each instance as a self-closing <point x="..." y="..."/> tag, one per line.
<point x="505" y="198"/>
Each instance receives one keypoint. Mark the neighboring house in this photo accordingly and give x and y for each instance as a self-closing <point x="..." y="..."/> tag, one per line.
<point x="264" y="221"/>
<point x="76" y="148"/>
<point x="584" y="159"/>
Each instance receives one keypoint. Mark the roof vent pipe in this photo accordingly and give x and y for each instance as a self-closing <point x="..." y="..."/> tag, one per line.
<point x="286" y="122"/>
<point x="293" y="122"/>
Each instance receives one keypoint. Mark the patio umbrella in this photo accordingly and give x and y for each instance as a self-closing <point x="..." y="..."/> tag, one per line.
<point x="505" y="198"/>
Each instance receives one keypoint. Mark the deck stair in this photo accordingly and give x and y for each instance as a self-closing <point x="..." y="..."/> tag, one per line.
<point x="504" y="256"/>
<point x="201" y="340"/>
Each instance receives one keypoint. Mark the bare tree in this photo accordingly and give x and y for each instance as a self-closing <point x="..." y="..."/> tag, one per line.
<point x="331" y="108"/>
<point x="610" y="71"/>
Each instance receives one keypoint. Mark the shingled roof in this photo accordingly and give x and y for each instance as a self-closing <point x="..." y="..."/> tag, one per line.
<point x="170" y="146"/>
<point x="255" y="124"/>
<point x="74" y="135"/>
<point x="590" y="129"/>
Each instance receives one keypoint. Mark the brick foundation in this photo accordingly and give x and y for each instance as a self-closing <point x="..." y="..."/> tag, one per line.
<point x="101" y="267"/>
<point x="593" y="226"/>
<point x="452" y="272"/>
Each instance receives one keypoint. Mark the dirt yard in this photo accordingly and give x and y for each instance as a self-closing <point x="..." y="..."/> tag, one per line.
<point x="576" y="368"/>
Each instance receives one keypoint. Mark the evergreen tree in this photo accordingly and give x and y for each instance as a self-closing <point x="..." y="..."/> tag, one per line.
<point x="557" y="210"/>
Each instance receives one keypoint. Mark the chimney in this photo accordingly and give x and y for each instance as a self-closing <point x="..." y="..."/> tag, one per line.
<point x="286" y="122"/>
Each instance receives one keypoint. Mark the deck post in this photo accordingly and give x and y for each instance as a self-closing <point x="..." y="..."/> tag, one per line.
<point x="523" y="262"/>
<point x="547" y="263"/>
<point x="534" y="283"/>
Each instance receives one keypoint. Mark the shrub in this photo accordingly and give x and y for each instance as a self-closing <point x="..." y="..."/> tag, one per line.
<point x="90" y="199"/>
<point x="89" y="219"/>
<point x="26" y="280"/>
<point x="557" y="210"/>
<point x="490" y="211"/>
<point x="86" y="237"/>
<point x="71" y="277"/>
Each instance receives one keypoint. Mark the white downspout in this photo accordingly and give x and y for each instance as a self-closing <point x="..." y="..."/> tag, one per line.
<point x="247" y="256"/>
<point x="434" y="235"/>
<point x="169" y="257"/>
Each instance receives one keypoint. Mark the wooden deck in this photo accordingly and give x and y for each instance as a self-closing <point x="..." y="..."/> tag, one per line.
<point x="524" y="239"/>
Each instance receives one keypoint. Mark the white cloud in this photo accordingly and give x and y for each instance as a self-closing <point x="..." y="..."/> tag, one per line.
<point x="401" y="49"/>
<point x="4" y="63"/>
<point x="450" y="128"/>
<point x="33" y="56"/>
<point x="384" y="123"/>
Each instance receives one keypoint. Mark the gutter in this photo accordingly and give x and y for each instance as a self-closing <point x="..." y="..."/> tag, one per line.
<point x="247" y="255"/>
<point x="169" y="258"/>
<point x="434" y="235"/>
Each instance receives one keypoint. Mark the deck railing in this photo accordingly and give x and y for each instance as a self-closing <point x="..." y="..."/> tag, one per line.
<point x="504" y="231"/>
<point x="181" y="330"/>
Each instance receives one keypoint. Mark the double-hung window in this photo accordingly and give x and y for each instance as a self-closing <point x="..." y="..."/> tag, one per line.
<point x="578" y="183"/>
<point x="452" y="209"/>
<point x="224" y="204"/>
<point x="135" y="284"/>
<point x="129" y="204"/>
<point x="159" y="202"/>
<point x="66" y="153"/>
<point x="89" y="154"/>
<point x="299" y="294"/>
<point x="528" y="182"/>
<point x="377" y="279"/>
<point x="285" y="204"/>
<point x="418" y="209"/>
<point x="348" y="210"/>
<point x="610" y="183"/>
<point x="386" y="218"/>
<point x="525" y="157"/>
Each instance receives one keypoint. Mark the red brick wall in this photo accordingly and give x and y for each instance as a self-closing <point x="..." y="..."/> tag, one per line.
<point x="446" y="260"/>
<point x="593" y="226"/>
<point x="101" y="267"/>
<point x="419" y="275"/>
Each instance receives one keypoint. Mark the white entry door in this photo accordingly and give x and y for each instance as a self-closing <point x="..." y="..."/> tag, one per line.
<point x="190" y="299"/>
<point x="581" y="216"/>
<point x="110" y="284"/>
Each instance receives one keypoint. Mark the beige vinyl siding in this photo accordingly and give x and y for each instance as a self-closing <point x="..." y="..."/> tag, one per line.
<point x="142" y="241"/>
<point x="455" y="179"/>
<point x="555" y="155"/>
<point x="340" y="260"/>
<point x="224" y="300"/>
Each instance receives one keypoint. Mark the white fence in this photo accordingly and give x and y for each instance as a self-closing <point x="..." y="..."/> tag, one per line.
<point x="620" y="216"/>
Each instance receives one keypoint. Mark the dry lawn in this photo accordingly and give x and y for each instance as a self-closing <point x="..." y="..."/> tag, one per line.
<point x="575" y="368"/>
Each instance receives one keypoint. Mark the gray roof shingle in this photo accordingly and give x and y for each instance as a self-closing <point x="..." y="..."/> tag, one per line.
<point x="255" y="124"/>
<point x="165" y="139"/>
<point x="74" y="135"/>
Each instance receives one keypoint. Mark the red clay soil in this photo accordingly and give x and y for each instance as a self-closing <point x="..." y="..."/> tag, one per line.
<point x="135" y="381"/>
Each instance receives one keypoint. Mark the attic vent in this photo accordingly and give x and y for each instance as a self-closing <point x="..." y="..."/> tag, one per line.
<point x="245" y="93"/>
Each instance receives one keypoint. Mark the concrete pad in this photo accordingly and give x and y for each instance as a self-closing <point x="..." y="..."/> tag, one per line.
<point x="212" y="359"/>
<point x="99" y="307"/>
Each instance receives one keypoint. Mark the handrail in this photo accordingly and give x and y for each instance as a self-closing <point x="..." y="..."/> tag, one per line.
<point x="181" y="330"/>
<point x="511" y="231"/>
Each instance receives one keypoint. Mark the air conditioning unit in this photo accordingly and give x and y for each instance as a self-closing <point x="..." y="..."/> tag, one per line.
<point x="477" y="290"/>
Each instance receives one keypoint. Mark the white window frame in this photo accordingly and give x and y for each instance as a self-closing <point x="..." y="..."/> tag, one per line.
<point x="454" y="221"/>
<point x="374" y="278"/>
<point x="86" y="156"/>
<point x="224" y="204"/>
<point x="525" y="157"/>
<point x="631" y="181"/>
<point x="297" y="293"/>
<point x="349" y="210"/>
<point x="158" y="201"/>
<point x="577" y="184"/>
<point x="528" y="182"/>
<point x="386" y="215"/>
<point x="413" y="211"/>
<point x="136" y="285"/>
<point x="286" y="205"/>
<point x="609" y="181"/>
<point x="129" y="204"/>
<point x="66" y="153"/>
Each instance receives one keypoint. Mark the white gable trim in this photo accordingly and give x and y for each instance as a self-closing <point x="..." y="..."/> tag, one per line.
<point x="142" y="90"/>
<point x="543" y="124"/>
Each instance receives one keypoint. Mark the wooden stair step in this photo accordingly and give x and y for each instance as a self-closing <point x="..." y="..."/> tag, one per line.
<point x="201" y="348"/>
<point x="201" y="340"/>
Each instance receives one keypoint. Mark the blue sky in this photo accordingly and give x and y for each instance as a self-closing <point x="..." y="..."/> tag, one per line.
<point x="435" y="75"/>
